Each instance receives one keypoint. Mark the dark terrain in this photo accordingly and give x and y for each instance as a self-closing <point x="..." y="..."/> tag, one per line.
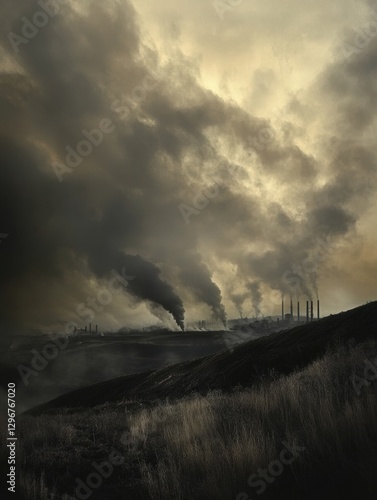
<point x="283" y="352"/>
<point x="203" y="429"/>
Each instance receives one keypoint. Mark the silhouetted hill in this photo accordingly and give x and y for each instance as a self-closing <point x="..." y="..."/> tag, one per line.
<point x="282" y="352"/>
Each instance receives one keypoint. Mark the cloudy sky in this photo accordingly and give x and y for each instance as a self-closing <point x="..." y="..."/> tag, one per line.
<point x="163" y="161"/>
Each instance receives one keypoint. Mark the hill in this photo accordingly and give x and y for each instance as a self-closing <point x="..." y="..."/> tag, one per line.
<point x="282" y="352"/>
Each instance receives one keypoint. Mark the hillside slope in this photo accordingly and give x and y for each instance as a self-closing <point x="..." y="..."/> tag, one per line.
<point x="282" y="352"/>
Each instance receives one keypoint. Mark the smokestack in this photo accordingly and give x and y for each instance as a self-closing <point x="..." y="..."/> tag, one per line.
<point x="86" y="328"/>
<point x="298" y="311"/>
<point x="311" y="310"/>
<point x="96" y="328"/>
<point x="307" y="311"/>
<point x="282" y="309"/>
<point x="90" y="327"/>
<point x="291" y="308"/>
<point x="318" y="316"/>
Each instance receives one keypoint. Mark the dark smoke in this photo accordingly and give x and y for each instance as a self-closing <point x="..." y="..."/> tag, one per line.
<point x="238" y="299"/>
<point x="256" y="297"/>
<point x="148" y="285"/>
<point x="144" y="283"/>
<point x="196" y="276"/>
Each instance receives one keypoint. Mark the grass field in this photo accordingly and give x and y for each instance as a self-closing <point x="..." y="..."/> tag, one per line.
<point x="291" y="415"/>
<point x="209" y="446"/>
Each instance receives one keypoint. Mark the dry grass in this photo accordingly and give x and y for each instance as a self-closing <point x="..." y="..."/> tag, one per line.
<point x="205" y="447"/>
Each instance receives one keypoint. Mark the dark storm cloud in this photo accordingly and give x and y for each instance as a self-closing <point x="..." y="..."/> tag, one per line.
<point x="350" y="98"/>
<point x="90" y="214"/>
<point x="334" y="207"/>
<point x="119" y="207"/>
<point x="332" y="219"/>
<point x="46" y="218"/>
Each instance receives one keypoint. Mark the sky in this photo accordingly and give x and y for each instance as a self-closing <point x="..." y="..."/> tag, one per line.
<point x="165" y="162"/>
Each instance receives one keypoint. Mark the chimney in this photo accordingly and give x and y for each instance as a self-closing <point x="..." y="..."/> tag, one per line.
<point x="307" y="311"/>
<point x="318" y="316"/>
<point x="90" y="327"/>
<point x="291" y="309"/>
<point x="298" y="311"/>
<point x="282" y="309"/>
<point x="311" y="310"/>
<point x="86" y="328"/>
<point x="96" y="328"/>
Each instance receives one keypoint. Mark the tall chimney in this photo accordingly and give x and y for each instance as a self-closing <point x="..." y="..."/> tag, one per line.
<point x="291" y="308"/>
<point x="318" y="316"/>
<point x="311" y="310"/>
<point x="298" y="311"/>
<point x="96" y="328"/>
<point x="307" y="311"/>
<point x="90" y="327"/>
<point x="282" y="309"/>
<point x="85" y="328"/>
